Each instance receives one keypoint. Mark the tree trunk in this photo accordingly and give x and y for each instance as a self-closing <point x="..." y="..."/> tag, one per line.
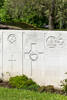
<point x="51" y="22"/>
<point x="61" y="13"/>
<point x="52" y="15"/>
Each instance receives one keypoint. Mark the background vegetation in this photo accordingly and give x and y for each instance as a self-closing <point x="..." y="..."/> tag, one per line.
<point x="50" y="14"/>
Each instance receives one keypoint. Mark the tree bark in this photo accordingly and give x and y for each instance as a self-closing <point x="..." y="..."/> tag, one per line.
<point x="52" y="15"/>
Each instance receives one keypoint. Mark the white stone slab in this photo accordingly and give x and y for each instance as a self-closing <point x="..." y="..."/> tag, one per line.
<point x="50" y="51"/>
<point x="41" y="55"/>
<point x="12" y="53"/>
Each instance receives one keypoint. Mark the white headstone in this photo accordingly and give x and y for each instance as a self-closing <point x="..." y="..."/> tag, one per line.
<point x="41" y="55"/>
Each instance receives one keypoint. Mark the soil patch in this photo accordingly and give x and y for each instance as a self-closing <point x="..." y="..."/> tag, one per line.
<point x="5" y="84"/>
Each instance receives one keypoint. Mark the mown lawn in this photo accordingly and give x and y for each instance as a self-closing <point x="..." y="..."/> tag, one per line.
<point x="15" y="94"/>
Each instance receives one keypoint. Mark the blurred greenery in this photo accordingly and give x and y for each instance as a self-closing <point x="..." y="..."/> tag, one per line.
<point x="34" y="12"/>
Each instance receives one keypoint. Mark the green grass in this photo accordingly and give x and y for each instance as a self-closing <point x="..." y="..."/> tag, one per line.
<point x="17" y="94"/>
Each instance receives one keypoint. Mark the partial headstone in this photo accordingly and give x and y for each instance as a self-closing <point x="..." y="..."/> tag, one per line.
<point x="12" y="53"/>
<point x="1" y="54"/>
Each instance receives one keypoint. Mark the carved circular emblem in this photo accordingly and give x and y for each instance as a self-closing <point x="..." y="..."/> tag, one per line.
<point x="33" y="56"/>
<point x="60" y="41"/>
<point x="51" y="42"/>
<point x="12" y="38"/>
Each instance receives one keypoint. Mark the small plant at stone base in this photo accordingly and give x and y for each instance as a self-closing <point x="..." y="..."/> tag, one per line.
<point x="23" y="82"/>
<point x="64" y="85"/>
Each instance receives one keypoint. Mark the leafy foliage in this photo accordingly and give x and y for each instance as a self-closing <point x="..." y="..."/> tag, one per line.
<point x="64" y="85"/>
<point x="22" y="82"/>
<point x="35" y="12"/>
<point x="1" y="3"/>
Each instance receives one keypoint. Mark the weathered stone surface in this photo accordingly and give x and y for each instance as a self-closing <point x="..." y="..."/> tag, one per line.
<point x="41" y="55"/>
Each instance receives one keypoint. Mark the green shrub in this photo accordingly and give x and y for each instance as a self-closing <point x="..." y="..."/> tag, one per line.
<point x="22" y="82"/>
<point x="33" y="87"/>
<point x="64" y="85"/>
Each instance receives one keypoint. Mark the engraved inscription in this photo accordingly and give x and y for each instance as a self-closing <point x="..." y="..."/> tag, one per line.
<point x="33" y="56"/>
<point x="60" y="41"/>
<point x="12" y="60"/>
<point x="11" y="38"/>
<point x="51" y="42"/>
